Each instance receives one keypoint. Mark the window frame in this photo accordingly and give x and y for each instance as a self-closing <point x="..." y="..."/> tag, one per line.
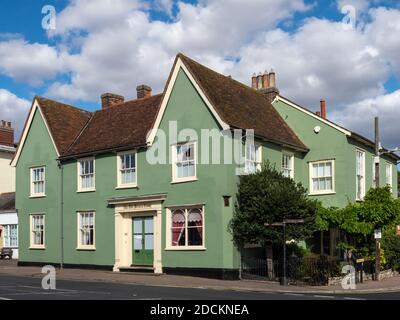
<point x="291" y="155"/>
<point x="32" y="188"/>
<point x="7" y="235"/>
<point x="174" y="151"/>
<point x="258" y="157"/>
<point x="364" y="185"/>
<point x="168" y="225"/>
<point x="310" y="174"/>
<point x="120" y="185"/>
<point x="81" y="246"/>
<point x="388" y="164"/>
<point x="32" y="244"/>
<point x="79" y="177"/>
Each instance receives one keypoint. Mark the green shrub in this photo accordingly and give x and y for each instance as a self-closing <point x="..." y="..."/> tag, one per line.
<point x="391" y="246"/>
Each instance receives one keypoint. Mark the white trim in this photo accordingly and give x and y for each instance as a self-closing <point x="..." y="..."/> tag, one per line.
<point x="31" y="242"/>
<point x="126" y="185"/>
<point x="387" y="163"/>
<point x="180" y="65"/>
<point x="258" y="149"/>
<point x="26" y="130"/>
<point x="168" y="239"/>
<point x="279" y="98"/>
<point x="291" y="155"/>
<point x="363" y="187"/>
<point x="175" y="179"/>
<point x="37" y="195"/>
<point x="310" y="170"/>
<point x="78" y="173"/>
<point x="80" y="246"/>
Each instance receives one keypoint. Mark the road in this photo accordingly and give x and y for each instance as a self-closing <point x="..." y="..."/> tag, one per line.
<point x="29" y="288"/>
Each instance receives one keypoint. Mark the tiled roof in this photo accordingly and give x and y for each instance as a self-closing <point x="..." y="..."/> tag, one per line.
<point x="241" y="106"/>
<point x="78" y="132"/>
<point x="65" y="122"/>
<point x="7" y="201"/>
<point x="124" y="125"/>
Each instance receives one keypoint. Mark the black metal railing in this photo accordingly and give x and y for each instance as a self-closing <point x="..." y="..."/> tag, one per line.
<point x="256" y="268"/>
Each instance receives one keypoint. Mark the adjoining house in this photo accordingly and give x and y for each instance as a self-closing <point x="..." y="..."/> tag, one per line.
<point x="8" y="214"/>
<point x="94" y="190"/>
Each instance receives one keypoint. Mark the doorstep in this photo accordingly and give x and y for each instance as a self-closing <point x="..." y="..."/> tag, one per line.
<point x="139" y="270"/>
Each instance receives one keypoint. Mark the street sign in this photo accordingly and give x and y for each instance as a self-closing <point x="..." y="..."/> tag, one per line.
<point x="378" y="233"/>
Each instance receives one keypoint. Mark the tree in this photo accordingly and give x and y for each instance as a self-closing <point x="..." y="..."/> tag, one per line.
<point x="358" y="220"/>
<point x="267" y="197"/>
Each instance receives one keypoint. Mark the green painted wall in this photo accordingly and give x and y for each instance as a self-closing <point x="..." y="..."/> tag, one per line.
<point x="329" y="143"/>
<point x="38" y="150"/>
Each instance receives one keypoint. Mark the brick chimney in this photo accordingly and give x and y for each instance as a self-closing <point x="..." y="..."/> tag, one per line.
<point x="323" y="108"/>
<point x="110" y="99"/>
<point x="266" y="84"/>
<point x="6" y="134"/>
<point x="143" y="91"/>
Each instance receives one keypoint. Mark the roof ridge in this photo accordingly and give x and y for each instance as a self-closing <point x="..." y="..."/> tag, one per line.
<point x="63" y="103"/>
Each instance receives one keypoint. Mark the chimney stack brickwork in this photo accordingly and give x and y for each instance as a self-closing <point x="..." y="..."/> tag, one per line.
<point x="323" y="108"/>
<point x="110" y="99"/>
<point x="266" y="84"/>
<point x="6" y="134"/>
<point x="143" y="91"/>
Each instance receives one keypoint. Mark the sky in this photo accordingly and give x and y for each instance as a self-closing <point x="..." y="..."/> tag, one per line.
<point x="346" y="51"/>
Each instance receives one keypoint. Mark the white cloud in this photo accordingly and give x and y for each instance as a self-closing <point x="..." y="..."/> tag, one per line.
<point x="124" y="48"/>
<point x="29" y="62"/>
<point x="13" y="109"/>
<point x="359" y="116"/>
<point x="384" y="32"/>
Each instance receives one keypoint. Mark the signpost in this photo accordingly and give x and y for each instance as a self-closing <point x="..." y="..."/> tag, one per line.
<point x="284" y="281"/>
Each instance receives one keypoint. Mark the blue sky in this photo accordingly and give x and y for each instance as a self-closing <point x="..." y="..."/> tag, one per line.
<point x="106" y="45"/>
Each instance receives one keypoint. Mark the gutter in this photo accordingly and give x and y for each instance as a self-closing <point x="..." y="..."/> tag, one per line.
<point x="103" y="151"/>
<point x="61" y="167"/>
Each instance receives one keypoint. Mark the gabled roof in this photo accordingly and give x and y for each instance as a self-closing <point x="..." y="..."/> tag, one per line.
<point x="240" y="106"/>
<point x="76" y="132"/>
<point x="65" y="122"/>
<point x="120" y="126"/>
<point x="351" y="134"/>
<point x="7" y="202"/>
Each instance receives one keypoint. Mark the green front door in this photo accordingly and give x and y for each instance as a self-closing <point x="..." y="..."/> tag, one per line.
<point x="142" y="241"/>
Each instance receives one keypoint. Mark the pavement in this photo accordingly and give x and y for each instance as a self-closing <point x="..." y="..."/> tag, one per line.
<point x="9" y="268"/>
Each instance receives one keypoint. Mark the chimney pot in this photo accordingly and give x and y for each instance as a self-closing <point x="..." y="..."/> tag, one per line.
<point x="254" y="81"/>
<point x="272" y="79"/>
<point x="265" y="80"/>
<point x="109" y="100"/>
<point x="143" y="91"/>
<point x="323" y="108"/>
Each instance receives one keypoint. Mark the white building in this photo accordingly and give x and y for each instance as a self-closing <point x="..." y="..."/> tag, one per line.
<point x="8" y="214"/>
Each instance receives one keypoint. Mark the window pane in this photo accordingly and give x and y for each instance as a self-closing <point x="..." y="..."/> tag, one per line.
<point x="328" y="169"/>
<point x="148" y="225"/>
<point x="137" y="243"/>
<point x="178" y="228"/>
<point x="137" y="225"/>
<point x="148" y="242"/>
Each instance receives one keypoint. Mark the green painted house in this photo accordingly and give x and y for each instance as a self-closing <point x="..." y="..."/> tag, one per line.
<point x="150" y="183"/>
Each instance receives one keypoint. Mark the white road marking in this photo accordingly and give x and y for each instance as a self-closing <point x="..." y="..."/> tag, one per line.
<point x="2" y="298"/>
<point x="329" y="297"/>
<point x="348" y="298"/>
<point x="295" y="294"/>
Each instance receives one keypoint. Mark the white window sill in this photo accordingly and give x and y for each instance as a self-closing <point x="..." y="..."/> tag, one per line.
<point x="184" y="180"/>
<point x="37" y="247"/>
<point x="323" y="193"/>
<point x="186" y="248"/>
<point x="128" y="186"/>
<point x="86" y="190"/>
<point x="37" y="196"/>
<point x="87" y="248"/>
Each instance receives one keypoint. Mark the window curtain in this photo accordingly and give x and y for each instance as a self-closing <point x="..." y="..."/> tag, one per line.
<point x="178" y="227"/>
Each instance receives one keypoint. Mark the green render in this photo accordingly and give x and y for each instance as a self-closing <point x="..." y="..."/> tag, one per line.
<point x="214" y="181"/>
